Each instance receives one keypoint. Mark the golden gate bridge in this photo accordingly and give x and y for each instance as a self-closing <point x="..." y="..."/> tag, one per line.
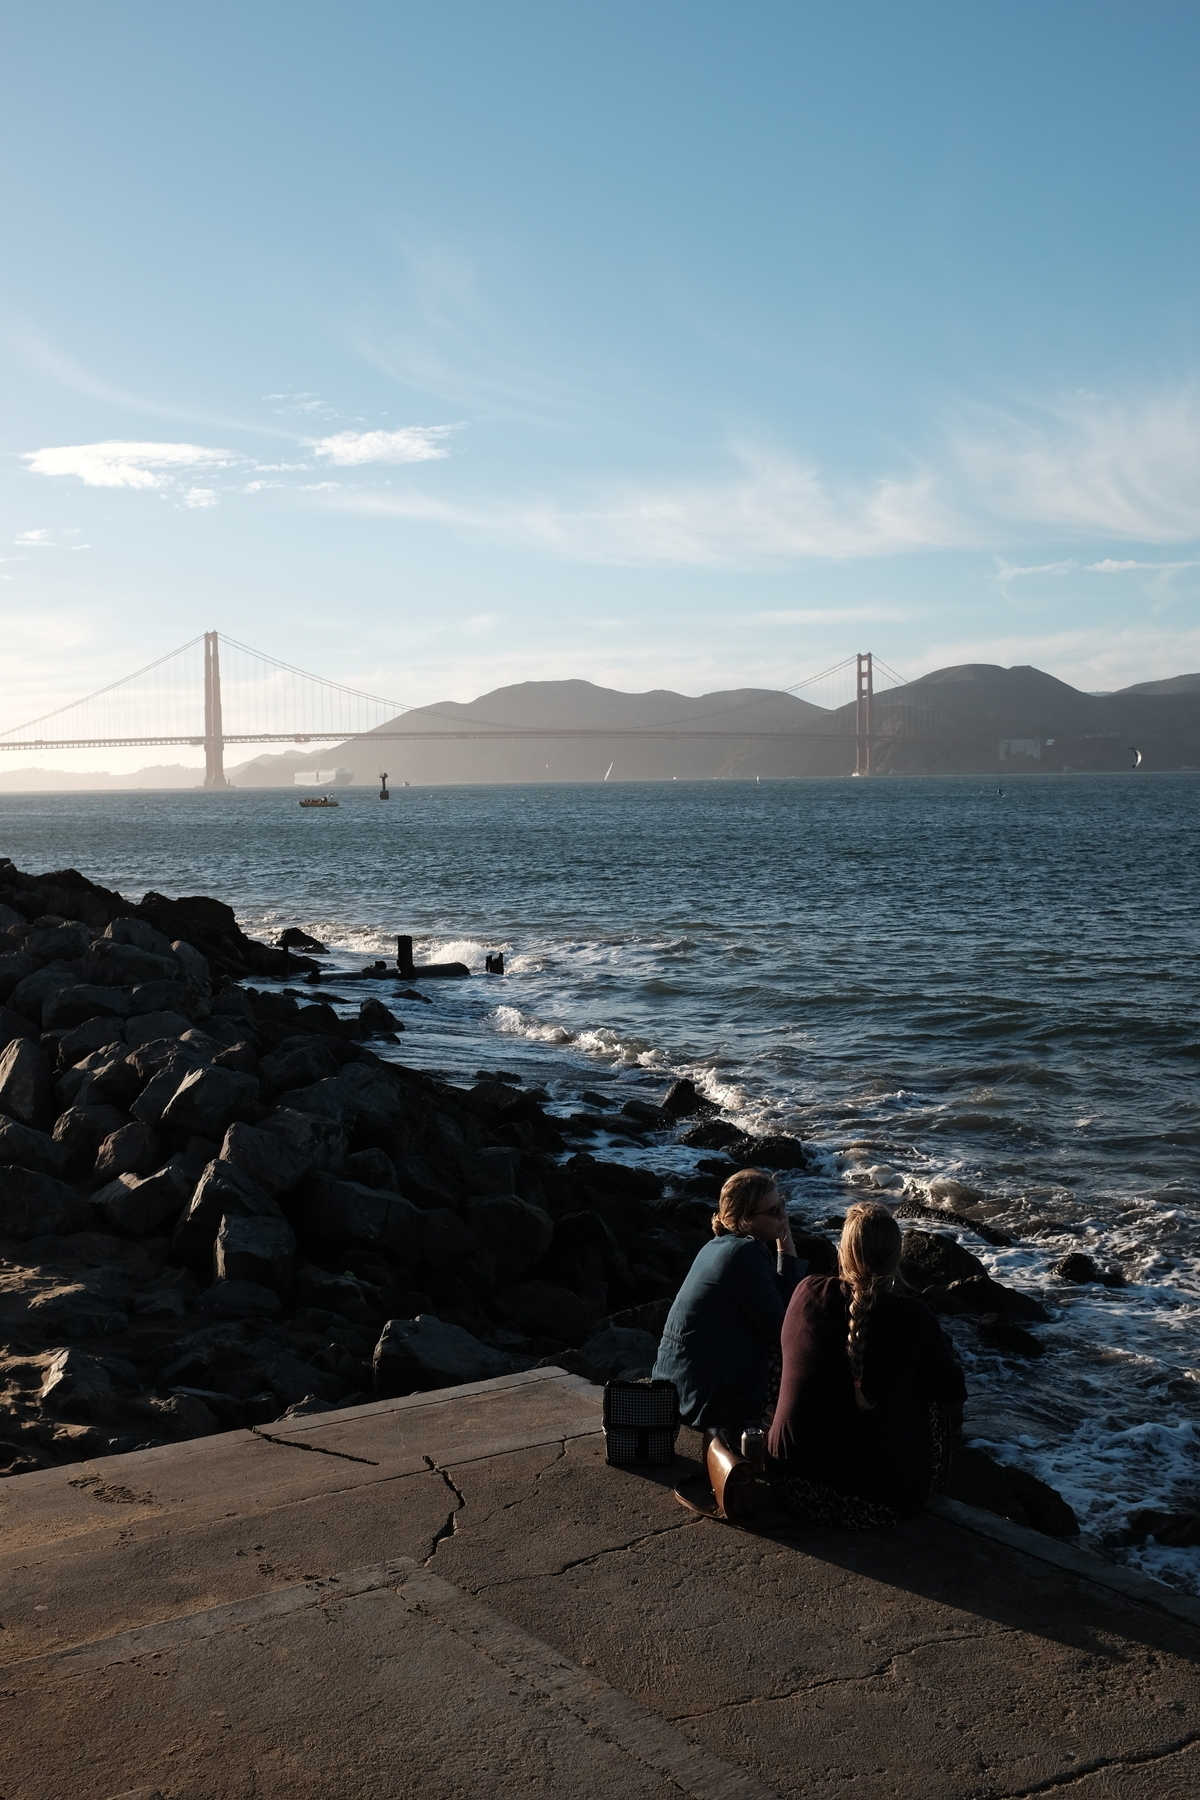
<point x="214" y="691"/>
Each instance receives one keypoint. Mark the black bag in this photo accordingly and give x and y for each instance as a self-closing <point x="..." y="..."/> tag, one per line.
<point x="641" y="1424"/>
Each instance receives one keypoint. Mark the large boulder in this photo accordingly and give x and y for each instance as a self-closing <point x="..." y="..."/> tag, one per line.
<point x="360" y="1093"/>
<point x="221" y="1190"/>
<point x="321" y="1141"/>
<point x="239" y="1300"/>
<point x="83" y="1040"/>
<point x="144" y="1204"/>
<point x="74" y="1003"/>
<point x="345" y="1213"/>
<point x="138" y="933"/>
<point x="299" y="1061"/>
<point x="132" y="1149"/>
<point x="415" y="1355"/>
<point x="144" y="1028"/>
<point x="57" y="943"/>
<point x="159" y="996"/>
<point x="208" y="1100"/>
<point x="932" y="1259"/>
<point x="12" y="1025"/>
<point x="978" y="1480"/>
<point x="615" y="1349"/>
<point x="112" y="964"/>
<point x="262" y="1250"/>
<point x="542" y="1310"/>
<point x="31" y="995"/>
<point x="265" y="1157"/>
<point x="517" y="1233"/>
<point x="26" y="1089"/>
<point x="116" y="1082"/>
<point x="24" y="1148"/>
<point x="80" y="1386"/>
<point x="32" y="1204"/>
<point x="14" y="967"/>
<point x="82" y="1129"/>
<point x="983" y="1295"/>
<point x="684" y="1100"/>
<point x="447" y="1239"/>
<point x="196" y="971"/>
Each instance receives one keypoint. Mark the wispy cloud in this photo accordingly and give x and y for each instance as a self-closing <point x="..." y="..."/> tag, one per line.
<point x="200" y="497"/>
<point x="116" y="464"/>
<point x="39" y="537"/>
<point x="411" y="444"/>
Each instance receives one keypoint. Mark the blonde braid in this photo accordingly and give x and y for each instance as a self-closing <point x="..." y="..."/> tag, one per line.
<point x="868" y="1258"/>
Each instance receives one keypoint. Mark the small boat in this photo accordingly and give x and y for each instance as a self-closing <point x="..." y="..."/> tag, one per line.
<point x="320" y="800"/>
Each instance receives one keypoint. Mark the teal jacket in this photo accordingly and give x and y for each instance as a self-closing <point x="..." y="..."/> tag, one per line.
<point x="723" y="1329"/>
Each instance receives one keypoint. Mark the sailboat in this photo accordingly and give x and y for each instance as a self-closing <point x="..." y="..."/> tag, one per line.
<point x="612" y="765"/>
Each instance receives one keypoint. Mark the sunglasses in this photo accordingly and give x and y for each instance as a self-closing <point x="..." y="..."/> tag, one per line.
<point x="778" y="1211"/>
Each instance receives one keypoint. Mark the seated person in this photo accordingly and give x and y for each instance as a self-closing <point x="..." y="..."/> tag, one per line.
<point x="721" y="1339"/>
<point x="859" y="1434"/>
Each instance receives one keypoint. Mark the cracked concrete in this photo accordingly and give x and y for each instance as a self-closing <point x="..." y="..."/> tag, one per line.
<point x="572" y="1606"/>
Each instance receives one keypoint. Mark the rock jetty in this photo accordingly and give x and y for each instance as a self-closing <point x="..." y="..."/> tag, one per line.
<point x="219" y="1206"/>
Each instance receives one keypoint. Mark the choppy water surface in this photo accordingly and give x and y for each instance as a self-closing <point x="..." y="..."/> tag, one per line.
<point x="928" y="975"/>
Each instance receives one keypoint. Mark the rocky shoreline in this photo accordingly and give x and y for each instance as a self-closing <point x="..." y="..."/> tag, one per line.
<point x="220" y="1207"/>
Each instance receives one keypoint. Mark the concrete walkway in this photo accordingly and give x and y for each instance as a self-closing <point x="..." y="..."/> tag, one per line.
<point x="450" y="1595"/>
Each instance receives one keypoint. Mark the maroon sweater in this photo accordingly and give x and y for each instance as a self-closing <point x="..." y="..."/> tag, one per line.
<point x="818" y="1431"/>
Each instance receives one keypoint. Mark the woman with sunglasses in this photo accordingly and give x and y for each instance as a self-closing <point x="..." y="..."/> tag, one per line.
<point x="721" y="1340"/>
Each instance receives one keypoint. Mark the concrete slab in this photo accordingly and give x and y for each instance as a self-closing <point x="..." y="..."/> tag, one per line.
<point x="450" y="1594"/>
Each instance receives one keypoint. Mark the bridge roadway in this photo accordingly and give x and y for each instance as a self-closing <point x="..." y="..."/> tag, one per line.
<point x="451" y="1596"/>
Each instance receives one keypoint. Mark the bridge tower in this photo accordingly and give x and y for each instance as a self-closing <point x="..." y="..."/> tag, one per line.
<point x="214" y="741"/>
<point x="864" y="693"/>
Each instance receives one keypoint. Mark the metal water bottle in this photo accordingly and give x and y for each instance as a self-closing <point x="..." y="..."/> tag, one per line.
<point x="754" y="1447"/>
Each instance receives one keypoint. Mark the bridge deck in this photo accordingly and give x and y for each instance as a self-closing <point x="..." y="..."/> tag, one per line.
<point x="450" y="1595"/>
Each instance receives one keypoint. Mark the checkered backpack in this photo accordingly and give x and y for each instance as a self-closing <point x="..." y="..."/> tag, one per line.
<point x="641" y="1423"/>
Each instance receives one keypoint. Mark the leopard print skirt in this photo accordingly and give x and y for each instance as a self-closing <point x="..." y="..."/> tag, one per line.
<point x="828" y="1509"/>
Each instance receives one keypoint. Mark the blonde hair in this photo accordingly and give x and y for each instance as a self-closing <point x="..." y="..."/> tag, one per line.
<point x="868" y="1262"/>
<point x="739" y="1201"/>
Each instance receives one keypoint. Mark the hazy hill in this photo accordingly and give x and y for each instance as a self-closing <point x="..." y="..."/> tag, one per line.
<point x="976" y="718"/>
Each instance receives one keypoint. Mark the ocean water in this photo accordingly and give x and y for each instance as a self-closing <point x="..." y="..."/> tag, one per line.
<point x="926" y="978"/>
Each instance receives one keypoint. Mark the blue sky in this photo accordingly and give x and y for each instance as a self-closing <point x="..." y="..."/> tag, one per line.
<point x="681" y="345"/>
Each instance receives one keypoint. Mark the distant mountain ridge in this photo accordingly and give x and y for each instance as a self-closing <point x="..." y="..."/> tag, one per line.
<point x="973" y="718"/>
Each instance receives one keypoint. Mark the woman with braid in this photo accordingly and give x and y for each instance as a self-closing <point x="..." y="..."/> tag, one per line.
<point x="858" y="1439"/>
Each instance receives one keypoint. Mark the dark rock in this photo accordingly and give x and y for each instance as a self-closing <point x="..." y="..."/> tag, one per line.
<point x="13" y="1025"/>
<point x="208" y="1100"/>
<point x="614" y="1349"/>
<point x="650" y="1316"/>
<point x="375" y="1018"/>
<point x="321" y="1141"/>
<point x="643" y="1113"/>
<point x="14" y="967"/>
<point x="196" y="971"/>
<point x="684" y="1100"/>
<point x="344" y="1295"/>
<point x="113" y="1083"/>
<point x="517" y="1234"/>
<point x="81" y="1386"/>
<point x="265" y="1157"/>
<point x="138" y="934"/>
<point x="978" y="1480"/>
<point x="617" y="1178"/>
<point x="1178" y="1530"/>
<point x="295" y="939"/>
<point x="128" y="1150"/>
<point x="713" y="1134"/>
<point x="416" y="1355"/>
<point x="817" y="1251"/>
<point x="261" y="1250"/>
<point x="344" y="1212"/>
<point x="158" y="996"/>
<point x="221" y="1189"/>
<point x="82" y="1129"/>
<point x="34" y="1205"/>
<point x="143" y="1028"/>
<point x="144" y="1204"/>
<point x="300" y="1061"/>
<point x="110" y="963"/>
<point x="984" y="1295"/>
<point x="26" y="1089"/>
<point x="374" y="1169"/>
<point x="239" y="1300"/>
<point x="931" y="1259"/>
<point x="58" y="943"/>
<point x="74" y="1003"/>
<point x="240" y="1056"/>
<point x="447" y="1238"/>
<point x="1081" y="1269"/>
<point x="306" y="1408"/>
<point x="24" y="1148"/>
<point x="593" y="1099"/>
<point x="83" y="1040"/>
<point x="542" y="1310"/>
<point x="294" y="1380"/>
<point x="775" y="1151"/>
<point x="912" y="1209"/>
<point x="956" y="1193"/>
<point x="1006" y="1335"/>
<point x="77" y="1311"/>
